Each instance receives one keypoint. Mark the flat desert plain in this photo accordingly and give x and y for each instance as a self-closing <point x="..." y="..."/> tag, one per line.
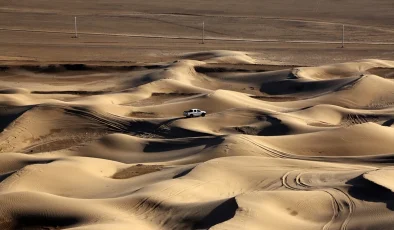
<point x="299" y="132"/>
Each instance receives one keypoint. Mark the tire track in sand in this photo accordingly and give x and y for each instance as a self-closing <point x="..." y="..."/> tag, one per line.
<point x="343" y="205"/>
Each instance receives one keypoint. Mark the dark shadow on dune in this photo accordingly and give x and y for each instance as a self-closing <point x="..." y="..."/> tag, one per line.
<point x="287" y="87"/>
<point x="177" y="132"/>
<point x="220" y="214"/>
<point x="175" y="94"/>
<point x="305" y="108"/>
<point x="5" y="176"/>
<point x="76" y="67"/>
<point x="55" y="68"/>
<point x="6" y="120"/>
<point x="277" y="128"/>
<point x="292" y="76"/>
<point x="12" y="114"/>
<point x="170" y="121"/>
<point x="31" y="162"/>
<point x="204" y="70"/>
<point x="366" y="190"/>
<point x="36" y="221"/>
<point x="7" y="91"/>
<point x="183" y="173"/>
<point x="78" y="92"/>
<point x="139" y="127"/>
<point x="199" y="56"/>
<point x="294" y="86"/>
<point x="384" y="160"/>
<point x="163" y="129"/>
<point x="4" y="68"/>
<point x="388" y="123"/>
<point x="59" y="68"/>
<point x="182" y="144"/>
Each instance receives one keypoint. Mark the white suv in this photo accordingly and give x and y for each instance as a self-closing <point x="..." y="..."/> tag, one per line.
<point x="194" y="113"/>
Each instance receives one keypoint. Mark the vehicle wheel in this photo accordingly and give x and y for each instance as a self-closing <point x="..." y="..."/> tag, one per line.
<point x="191" y="116"/>
<point x="203" y="115"/>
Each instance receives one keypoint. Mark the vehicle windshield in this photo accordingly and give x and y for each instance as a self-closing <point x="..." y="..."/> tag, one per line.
<point x="191" y="110"/>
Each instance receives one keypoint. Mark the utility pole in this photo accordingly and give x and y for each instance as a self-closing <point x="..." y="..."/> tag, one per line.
<point x="343" y="36"/>
<point x="75" y="26"/>
<point x="203" y="32"/>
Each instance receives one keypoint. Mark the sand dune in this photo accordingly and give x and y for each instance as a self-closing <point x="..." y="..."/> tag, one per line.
<point x="367" y="92"/>
<point x="342" y="70"/>
<point x="107" y="147"/>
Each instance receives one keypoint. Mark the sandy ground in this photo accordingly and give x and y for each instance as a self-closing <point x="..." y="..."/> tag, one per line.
<point x="106" y="147"/>
<point x="298" y="133"/>
<point x="302" y="32"/>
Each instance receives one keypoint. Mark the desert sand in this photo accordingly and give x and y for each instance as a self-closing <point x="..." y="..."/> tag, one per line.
<point x="93" y="147"/>
<point x="299" y="132"/>
<point x="286" y="32"/>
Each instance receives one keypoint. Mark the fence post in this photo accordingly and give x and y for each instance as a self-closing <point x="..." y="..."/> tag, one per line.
<point x="343" y="36"/>
<point x="203" y="32"/>
<point x="75" y="27"/>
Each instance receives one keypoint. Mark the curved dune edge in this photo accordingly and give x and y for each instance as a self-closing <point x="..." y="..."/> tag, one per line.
<point x="108" y="147"/>
<point x="382" y="177"/>
<point x="343" y="69"/>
